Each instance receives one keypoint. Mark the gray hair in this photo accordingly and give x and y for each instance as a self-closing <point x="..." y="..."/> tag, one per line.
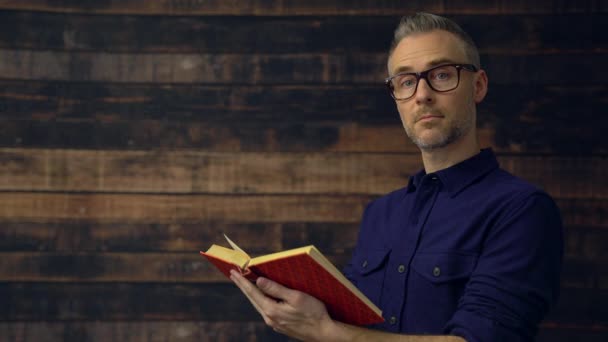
<point x="425" y="22"/>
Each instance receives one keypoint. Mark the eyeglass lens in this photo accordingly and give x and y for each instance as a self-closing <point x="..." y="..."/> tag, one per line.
<point x="443" y="78"/>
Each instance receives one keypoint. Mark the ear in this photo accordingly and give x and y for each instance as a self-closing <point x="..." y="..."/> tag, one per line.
<point x="480" y="86"/>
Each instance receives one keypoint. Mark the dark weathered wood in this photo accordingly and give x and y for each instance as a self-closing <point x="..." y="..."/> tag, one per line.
<point x="159" y="209"/>
<point x="586" y="242"/>
<point x="593" y="213"/>
<point x="283" y="118"/>
<point x="191" y="172"/>
<point x="525" y="34"/>
<point x="194" y="172"/>
<point x="66" y="237"/>
<point x="209" y="302"/>
<point x="123" y="267"/>
<point x="115" y="103"/>
<point x="123" y="301"/>
<point x="266" y="173"/>
<point x="187" y="331"/>
<point x="251" y="136"/>
<point x="564" y="332"/>
<point x="309" y="68"/>
<point x="190" y="267"/>
<point x="144" y="331"/>
<point x="109" y="267"/>
<point x="255" y="238"/>
<point x="298" y="7"/>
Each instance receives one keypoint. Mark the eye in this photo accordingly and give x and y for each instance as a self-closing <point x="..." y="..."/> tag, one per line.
<point x="442" y="76"/>
<point x="443" y="73"/>
<point x="408" y="82"/>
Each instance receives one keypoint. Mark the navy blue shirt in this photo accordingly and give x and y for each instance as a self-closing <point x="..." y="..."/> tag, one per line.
<point x="470" y="250"/>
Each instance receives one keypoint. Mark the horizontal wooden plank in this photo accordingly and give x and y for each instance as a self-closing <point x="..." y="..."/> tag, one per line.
<point x="260" y="136"/>
<point x="141" y="331"/>
<point x="220" y="173"/>
<point x="277" y="136"/>
<point x="188" y="331"/>
<point x="111" y="103"/>
<point x="266" y="173"/>
<point x="526" y="34"/>
<point x="255" y="238"/>
<point x="190" y="267"/>
<point x="564" y="332"/>
<point x="123" y="301"/>
<point x="124" y="267"/>
<point x="282" y="118"/>
<point x="299" y="7"/>
<point x="68" y="237"/>
<point x="211" y="302"/>
<point x="309" y="68"/>
<point x="202" y="209"/>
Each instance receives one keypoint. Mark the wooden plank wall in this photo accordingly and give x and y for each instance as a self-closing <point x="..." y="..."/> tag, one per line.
<point x="133" y="133"/>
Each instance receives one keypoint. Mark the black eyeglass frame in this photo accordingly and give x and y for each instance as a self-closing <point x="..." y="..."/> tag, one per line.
<point x="423" y="75"/>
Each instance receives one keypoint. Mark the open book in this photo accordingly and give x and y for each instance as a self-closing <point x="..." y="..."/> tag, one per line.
<point x="304" y="269"/>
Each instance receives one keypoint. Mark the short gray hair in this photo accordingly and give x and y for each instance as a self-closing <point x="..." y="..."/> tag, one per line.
<point x="425" y="22"/>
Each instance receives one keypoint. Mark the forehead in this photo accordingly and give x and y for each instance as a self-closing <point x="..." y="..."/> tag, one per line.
<point x="422" y="50"/>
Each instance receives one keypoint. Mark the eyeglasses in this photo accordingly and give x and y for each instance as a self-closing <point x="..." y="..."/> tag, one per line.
<point x="441" y="78"/>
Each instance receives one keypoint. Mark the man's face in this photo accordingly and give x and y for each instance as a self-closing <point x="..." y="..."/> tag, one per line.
<point x="431" y="119"/>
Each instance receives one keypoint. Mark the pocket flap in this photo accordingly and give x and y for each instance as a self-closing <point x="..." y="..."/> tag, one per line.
<point x="370" y="261"/>
<point x="443" y="267"/>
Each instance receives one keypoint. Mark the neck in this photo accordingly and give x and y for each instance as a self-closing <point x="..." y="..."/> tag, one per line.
<point x="442" y="158"/>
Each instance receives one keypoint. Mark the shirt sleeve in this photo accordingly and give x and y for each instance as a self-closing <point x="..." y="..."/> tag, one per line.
<point x="516" y="279"/>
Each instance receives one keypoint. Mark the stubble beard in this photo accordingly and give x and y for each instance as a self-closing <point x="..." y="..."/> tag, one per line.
<point x="443" y="138"/>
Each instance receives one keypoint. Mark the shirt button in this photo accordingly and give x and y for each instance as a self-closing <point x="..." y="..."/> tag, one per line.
<point x="392" y="320"/>
<point x="436" y="271"/>
<point x="401" y="268"/>
<point x="364" y="265"/>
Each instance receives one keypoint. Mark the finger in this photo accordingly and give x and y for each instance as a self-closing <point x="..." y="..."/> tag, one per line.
<point x="252" y="293"/>
<point x="274" y="289"/>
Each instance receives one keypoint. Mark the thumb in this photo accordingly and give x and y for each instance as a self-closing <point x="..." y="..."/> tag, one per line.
<point x="273" y="289"/>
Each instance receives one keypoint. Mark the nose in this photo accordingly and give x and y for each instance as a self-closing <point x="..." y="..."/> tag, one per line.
<point x="424" y="93"/>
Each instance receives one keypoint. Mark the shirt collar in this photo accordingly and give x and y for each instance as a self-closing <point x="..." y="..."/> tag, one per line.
<point x="457" y="177"/>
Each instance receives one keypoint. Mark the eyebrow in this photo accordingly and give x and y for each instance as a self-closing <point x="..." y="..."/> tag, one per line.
<point x="430" y="65"/>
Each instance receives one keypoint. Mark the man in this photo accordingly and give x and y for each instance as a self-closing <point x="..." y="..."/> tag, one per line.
<point x="466" y="251"/>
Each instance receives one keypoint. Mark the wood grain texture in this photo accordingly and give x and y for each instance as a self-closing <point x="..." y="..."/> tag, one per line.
<point x="190" y="267"/>
<point x="298" y="7"/>
<point x="210" y="302"/>
<point x="191" y="172"/>
<point x="138" y="208"/>
<point x="255" y="238"/>
<point x="193" y="331"/>
<point x="139" y="331"/>
<point x="166" y="209"/>
<point x="305" y="68"/>
<point x="512" y="118"/>
<point x="81" y="236"/>
<point x="134" y="133"/>
<point x="123" y="301"/>
<point x="524" y="34"/>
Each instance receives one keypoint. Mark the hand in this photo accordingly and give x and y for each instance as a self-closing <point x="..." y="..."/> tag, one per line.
<point x="287" y="311"/>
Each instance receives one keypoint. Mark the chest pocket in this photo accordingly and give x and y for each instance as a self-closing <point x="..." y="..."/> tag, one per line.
<point x="370" y="268"/>
<point x="441" y="268"/>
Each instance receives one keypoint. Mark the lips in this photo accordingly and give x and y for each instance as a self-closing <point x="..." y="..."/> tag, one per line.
<point x="429" y="117"/>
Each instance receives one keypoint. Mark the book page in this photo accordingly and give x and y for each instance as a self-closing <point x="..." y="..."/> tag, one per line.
<point x="235" y="247"/>
<point x="231" y="256"/>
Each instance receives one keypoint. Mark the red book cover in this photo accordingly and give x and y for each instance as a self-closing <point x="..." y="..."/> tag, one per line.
<point x="306" y="269"/>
